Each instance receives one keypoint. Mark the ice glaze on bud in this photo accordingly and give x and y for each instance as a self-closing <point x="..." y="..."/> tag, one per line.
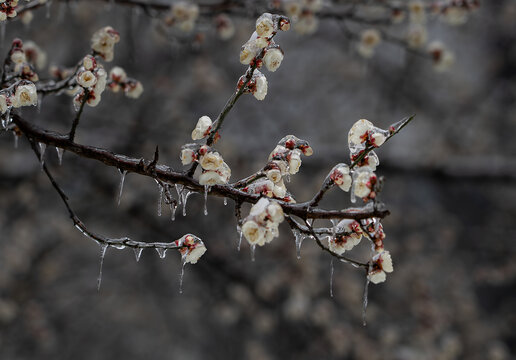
<point x="202" y="129"/>
<point x="254" y="233"/>
<point x="25" y="95"/>
<point x="103" y="42"/>
<point x="89" y="62"/>
<point x="265" y="25"/>
<point x="188" y="156"/>
<point x="382" y="264"/>
<point x="294" y="161"/>
<point x="364" y="184"/>
<point x="273" y="58"/>
<point x="341" y="176"/>
<point x="260" y="85"/>
<point x="192" y="248"/>
<point x="358" y="133"/>
<point x="211" y="161"/>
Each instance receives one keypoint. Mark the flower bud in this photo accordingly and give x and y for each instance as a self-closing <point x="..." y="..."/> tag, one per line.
<point x="202" y="128"/>
<point x="272" y="58"/>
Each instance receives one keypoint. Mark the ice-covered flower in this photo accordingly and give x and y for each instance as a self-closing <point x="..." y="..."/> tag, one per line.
<point x="306" y="24"/>
<point x="89" y="63"/>
<point x="211" y="161"/>
<point x="364" y="184"/>
<point x="369" y="39"/>
<point x="225" y="27"/>
<point x="358" y="133"/>
<point x="133" y="88"/>
<point x="279" y="190"/>
<point x="260" y="86"/>
<point x="294" y="161"/>
<point x="118" y="74"/>
<point x="216" y="177"/>
<point x="417" y="36"/>
<point x="254" y="233"/>
<point x="3" y="104"/>
<point x="202" y="129"/>
<point x="442" y="58"/>
<point x="265" y="25"/>
<point x="292" y="8"/>
<point x="342" y="243"/>
<point x="188" y="156"/>
<point x="103" y="42"/>
<point x="183" y="15"/>
<point x="273" y="172"/>
<point x="25" y="95"/>
<point x="382" y="264"/>
<point x="341" y="176"/>
<point x="86" y="79"/>
<point x="192" y="248"/>
<point x="18" y="56"/>
<point x="100" y="85"/>
<point x="35" y="55"/>
<point x="417" y="13"/>
<point x="273" y="58"/>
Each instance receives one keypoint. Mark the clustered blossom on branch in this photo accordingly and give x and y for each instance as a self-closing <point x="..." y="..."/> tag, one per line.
<point x="261" y="226"/>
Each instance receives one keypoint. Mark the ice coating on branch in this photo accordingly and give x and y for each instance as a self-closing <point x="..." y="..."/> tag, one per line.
<point x="261" y="226"/>
<point x="382" y="264"/>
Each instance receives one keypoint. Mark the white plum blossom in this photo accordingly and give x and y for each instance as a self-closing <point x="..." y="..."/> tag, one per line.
<point x="382" y="264"/>
<point x="89" y="63"/>
<point x="417" y="12"/>
<point x="417" y="36"/>
<point x="279" y="190"/>
<point x="103" y="42"/>
<point x="133" y="89"/>
<point x="369" y="39"/>
<point x="341" y="176"/>
<point x="202" y="128"/>
<point x="265" y="25"/>
<point x="183" y="15"/>
<point x="260" y="87"/>
<point x="273" y="58"/>
<point x="3" y="104"/>
<point x="442" y="58"/>
<point x="358" y="133"/>
<point x="364" y="184"/>
<point x="118" y="74"/>
<point x="220" y="176"/>
<point x="35" y="55"/>
<point x="455" y="15"/>
<point x="261" y="226"/>
<point x="294" y="161"/>
<point x="192" y="248"/>
<point x="25" y="95"/>
<point x="254" y="233"/>
<point x="306" y="24"/>
<point x="211" y="161"/>
<point x="342" y="243"/>
<point x="225" y="27"/>
<point x="188" y="156"/>
<point x="86" y="79"/>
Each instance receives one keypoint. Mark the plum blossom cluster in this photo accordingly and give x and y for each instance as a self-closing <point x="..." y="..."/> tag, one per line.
<point x="284" y="161"/>
<point x="23" y="59"/>
<point x="8" y="9"/>
<point x="182" y="16"/>
<point x="191" y="248"/>
<point x="214" y="170"/>
<point x="22" y="93"/>
<point x="347" y="235"/>
<point x="261" y="226"/>
<point x="303" y="14"/>
<point x="118" y="80"/>
<point x="92" y="79"/>
<point x="261" y="50"/>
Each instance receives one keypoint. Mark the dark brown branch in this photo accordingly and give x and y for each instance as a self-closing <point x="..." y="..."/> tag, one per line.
<point x="166" y="174"/>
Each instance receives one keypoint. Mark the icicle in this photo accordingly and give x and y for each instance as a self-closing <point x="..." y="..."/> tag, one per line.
<point x="352" y="193"/>
<point x="331" y="277"/>
<point x="179" y="190"/>
<point x="161" y="252"/>
<point x="253" y="250"/>
<point x="225" y="201"/>
<point x="299" y="240"/>
<point x="49" y="2"/>
<point x="184" y="197"/>
<point x="121" y="186"/>
<point x="60" y="153"/>
<point x="103" y="249"/>
<point x="364" y="308"/>
<point x="160" y="199"/>
<point x="181" y="276"/>
<point x="16" y="138"/>
<point x="42" y="148"/>
<point x="40" y="100"/>
<point x="138" y="253"/>
<point x="240" y="232"/>
<point x="206" y="191"/>
<point x="173" y="208"/>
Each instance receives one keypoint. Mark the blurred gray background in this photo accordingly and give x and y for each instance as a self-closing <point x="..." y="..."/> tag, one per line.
<point x="450" y="187"/>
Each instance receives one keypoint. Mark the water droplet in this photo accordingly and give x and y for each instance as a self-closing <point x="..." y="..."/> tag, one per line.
<point x="121" y="185"/>
<point x="138" y="253"/>
<point x="42" y="148"/>
<point x="161" y="252"/>
<point x="225" y="201"/>
<point x="16" y="138"/>
<point x="103" y="249"/>
<point x="331" y="277"/>
<point x="253" y="250"/>
<point x="60" y="153"/>
<point x="181" y="276"/>
<point x="206" y="191"/>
